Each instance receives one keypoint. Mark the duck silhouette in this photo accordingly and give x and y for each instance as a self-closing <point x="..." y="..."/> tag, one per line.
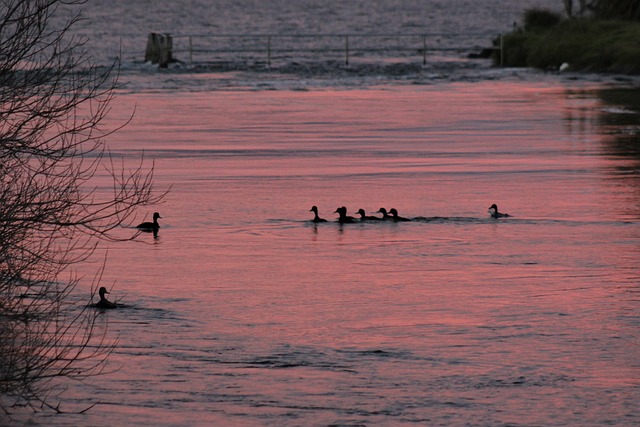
<point x="494" y="213"/>
<point x="104" y="303"/>
<point x="150" y="226"/>
<point x="396" y="217"/>
<point x="344" y="218"/>
<point x="316" y="218"/>
<point x="365" y="217"/>
<point x="385" y="215"/>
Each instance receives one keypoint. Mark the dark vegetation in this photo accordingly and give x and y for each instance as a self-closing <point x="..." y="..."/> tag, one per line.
<point x="605" y="38"/>
<point x="53" y="102"/>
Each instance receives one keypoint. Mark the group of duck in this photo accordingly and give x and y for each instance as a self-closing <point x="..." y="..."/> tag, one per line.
<point x="147" y="227"/>
<point x="391" y="215"/>
<point x="343" y="218"/>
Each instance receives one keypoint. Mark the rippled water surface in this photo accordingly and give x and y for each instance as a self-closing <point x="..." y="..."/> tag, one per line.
<point x="243" y="312"/>
<point x="386" y="44"/>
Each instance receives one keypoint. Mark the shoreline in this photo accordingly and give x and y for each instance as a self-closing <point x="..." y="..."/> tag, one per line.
<point x="576" y="44"/>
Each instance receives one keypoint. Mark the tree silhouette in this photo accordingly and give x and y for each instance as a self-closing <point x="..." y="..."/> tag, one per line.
<point x="53" y="101"/>
<point x="628" y="10"/>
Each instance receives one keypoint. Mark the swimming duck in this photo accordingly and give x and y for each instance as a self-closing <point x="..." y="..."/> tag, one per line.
<point x="150" y="226"/>
<point x="104" y="303"/>
<point x="364" y="217"/>
<point x="394" y="215"/>
<point x="316" y="218"/>
<point x="385" y="215"/>
<point x="493" y="211"/>
<point x="342" y="211"/>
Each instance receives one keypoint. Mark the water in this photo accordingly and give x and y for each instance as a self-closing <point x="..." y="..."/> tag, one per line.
<point x="460" y="27"/>
<point x="243" y="312"/>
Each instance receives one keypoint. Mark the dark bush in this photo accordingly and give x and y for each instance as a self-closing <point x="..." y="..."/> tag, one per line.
<point x="585" y="44"/>
<point x="540" y="19"/>
<point x="627" y="10"/>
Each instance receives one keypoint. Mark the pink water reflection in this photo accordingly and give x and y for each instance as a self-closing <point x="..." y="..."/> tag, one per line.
<point x="242" y="312"/>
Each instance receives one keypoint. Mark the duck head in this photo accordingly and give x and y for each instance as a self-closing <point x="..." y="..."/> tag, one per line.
<point x="101" y="292"/>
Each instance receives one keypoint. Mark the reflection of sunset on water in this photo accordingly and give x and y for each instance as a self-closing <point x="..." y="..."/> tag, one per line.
<point x="228" y="305"/>
<point x="244" y="311"/>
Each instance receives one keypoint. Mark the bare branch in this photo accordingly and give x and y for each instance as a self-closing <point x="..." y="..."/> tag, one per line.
<point x="53" y="102"/>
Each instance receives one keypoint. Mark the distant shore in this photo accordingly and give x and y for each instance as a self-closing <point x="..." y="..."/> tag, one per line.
<point x="583" y="44"/>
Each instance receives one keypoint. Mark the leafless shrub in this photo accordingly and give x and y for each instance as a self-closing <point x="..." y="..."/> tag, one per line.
<point x="52" y="104"/>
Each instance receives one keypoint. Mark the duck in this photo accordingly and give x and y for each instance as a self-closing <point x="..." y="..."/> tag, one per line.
<point x="365" y="217"/>
<point x="344" y="218"/>
<point x="104" y="303"/>
<point x="316" y="218"/>
<point x="385" y="215"/>
<point x="150" y="226"/>
<point x="494" y="213"/>
<point x="395" y="217"/>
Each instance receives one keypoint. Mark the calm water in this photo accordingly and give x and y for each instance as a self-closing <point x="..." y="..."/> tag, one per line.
<point x="242" y="312"/>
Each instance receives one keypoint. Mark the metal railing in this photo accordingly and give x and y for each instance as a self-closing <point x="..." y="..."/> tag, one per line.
<point x="270" y="46"/>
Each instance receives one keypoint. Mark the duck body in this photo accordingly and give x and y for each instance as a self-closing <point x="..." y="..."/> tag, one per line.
<point x="395" y="217"/>
<point x="316" y="218"/>
<point x="150" y="226"/>
<point x="344" y="218"/>
<point x="104" y="302"/>
<point x="494" y="213"/>
<point x="365" y="217"/>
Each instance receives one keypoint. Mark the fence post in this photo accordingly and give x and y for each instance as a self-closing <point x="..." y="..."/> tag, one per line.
<point x="159" y="49"/>
<point x="346" y="51"/>
<point x="190" y="51"/>
<point x="269" y="51"/>
<point x="501" y="51"/>
<point x="424" y="50"/>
